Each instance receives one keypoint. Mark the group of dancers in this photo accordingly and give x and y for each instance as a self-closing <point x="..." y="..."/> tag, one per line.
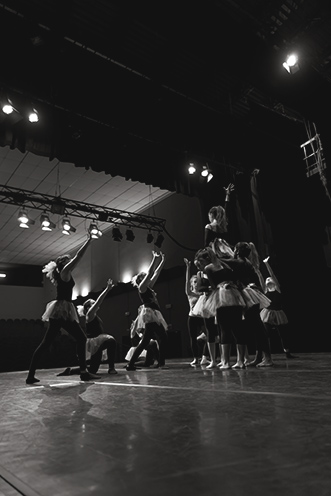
<point x="229" y="302"/>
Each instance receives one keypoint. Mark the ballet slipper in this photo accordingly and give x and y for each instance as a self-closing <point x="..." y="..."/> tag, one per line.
<point x="31" y="380"/>
<point x="88" y="376"/>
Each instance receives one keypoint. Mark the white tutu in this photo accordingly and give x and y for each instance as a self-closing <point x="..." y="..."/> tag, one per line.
<point x="201" y="308"/>
<point x="226" y="294"/>
<point x="273" y="317"/>
<point x="147" y="315"/>
<point x="253" y="296"/>
<point x="93" y="344"/>
<point x="129" y="354"/>
<point x="60" y="309"/>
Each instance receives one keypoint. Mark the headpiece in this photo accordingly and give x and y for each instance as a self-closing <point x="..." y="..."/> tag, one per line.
<point x="49" y="269"/>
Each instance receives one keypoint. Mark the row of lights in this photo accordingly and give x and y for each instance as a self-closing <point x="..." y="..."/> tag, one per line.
<point x="118" y="236"/>
<point x="47" y="225"/>
<point x="205" y="171"/>
<point x="8" y="108"/>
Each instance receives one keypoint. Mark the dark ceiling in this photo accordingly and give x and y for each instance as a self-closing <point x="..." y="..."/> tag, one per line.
<point x="139" y="88"/>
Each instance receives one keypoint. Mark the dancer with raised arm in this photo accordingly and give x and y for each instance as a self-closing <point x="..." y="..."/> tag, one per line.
<point x="195" y="323"/>
<point x="150" y="317"/>
<point x="97" y="340"/>
<point x="274" y="317"/>
<point x="217" y="228"/>
<point x="225" y="302"/>
<point x="61" y="312"/>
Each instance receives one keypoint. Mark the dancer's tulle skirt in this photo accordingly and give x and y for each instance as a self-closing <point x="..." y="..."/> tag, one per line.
<point x="147" y="315"/>
<point x="254" y="296"/>
<point x="273" y="317"/>
<point x="93" y="344"/>
<point x="226" y="294"/>
<point x="60" y="309"/>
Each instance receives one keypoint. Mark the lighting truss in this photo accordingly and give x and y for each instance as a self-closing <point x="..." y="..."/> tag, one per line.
<point x="72" y="208"/>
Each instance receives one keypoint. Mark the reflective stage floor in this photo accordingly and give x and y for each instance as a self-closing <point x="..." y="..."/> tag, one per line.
<point x="181" y="431"/>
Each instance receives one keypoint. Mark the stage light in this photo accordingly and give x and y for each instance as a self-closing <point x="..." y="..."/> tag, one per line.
<point x="117" y="235"/>
<point x="33" y="116"/>
<point x="94" y="231"/>
<point x="129" y="235"/>
<point x="150" y="238"/>
<point x="204" y="171"/>
<point x="23" y="216"/>
<point x="46" y="224"/>
<point x="24" y="221"/>
<point x="7" y="109"/>
<point x="191" y="169"/>
<point x="67" y="228"/>
<point x="291" y="64"/>
<point x="159" y="240"/>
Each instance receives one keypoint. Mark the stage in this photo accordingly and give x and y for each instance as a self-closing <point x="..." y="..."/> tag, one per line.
<point x="170" y="432"/>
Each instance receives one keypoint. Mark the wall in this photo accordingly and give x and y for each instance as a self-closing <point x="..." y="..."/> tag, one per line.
<point x="21" y="302"/>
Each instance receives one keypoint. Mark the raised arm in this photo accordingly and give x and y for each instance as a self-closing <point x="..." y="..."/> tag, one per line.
<point x="188" y="290"/>
<point x="69" y="267"/>
<point x="228" y="191"/>
<point x="157" y="270"/>
<point x="271" y="273"/>
<point x="91" y="313"/>
<point x="150" y="272"/>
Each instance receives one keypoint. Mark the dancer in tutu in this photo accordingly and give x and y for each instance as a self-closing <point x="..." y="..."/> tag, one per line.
<point x="274" y="317"/>
<point x="61" y="313"/>
<point x="97" y="340"/>
<point x="226" y="302"/>
<point x="195" y="323"/>
<point x="148" y="356"/>
<point x="218" y="221"/>
<point x="150" y="317"/>
<point x="248" y="279"/>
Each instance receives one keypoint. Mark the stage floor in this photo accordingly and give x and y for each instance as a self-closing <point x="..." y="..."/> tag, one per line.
<point x="181" y="431"/>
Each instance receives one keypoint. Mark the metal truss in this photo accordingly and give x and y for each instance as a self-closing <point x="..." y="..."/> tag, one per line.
<point x="67" y="207"/>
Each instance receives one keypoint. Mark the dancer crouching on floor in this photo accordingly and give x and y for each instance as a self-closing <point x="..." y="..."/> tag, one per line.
<point x="97" y="340"/>
<point x="61" y="313"/>
<point x="150" y="317"/>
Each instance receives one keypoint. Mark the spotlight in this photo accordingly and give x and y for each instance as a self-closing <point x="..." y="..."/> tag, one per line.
<point x="130" y="235"/>
<point x="7" y="109"/>
<point x="23" y="216"/>
<point x="67" y="228"/>
<point x="291" y="64"/>
<point x="206" y="172"/>
<point x="46" y="224"/>
<point x="159" y="240"/>
<point x="7" y="106"/>
<point x="33" y="116"/>
<point x="191" y="169"/>
<point x="150" y="238"/>
<point x="24" y="221"/>
<point x="94" y="231"/>
<point x="117" y="235"/>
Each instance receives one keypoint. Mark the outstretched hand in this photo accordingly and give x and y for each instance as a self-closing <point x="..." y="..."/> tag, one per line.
<point x="110" y="284"/>
<point x="187" y="262"/>
<point x="266" y="260"/>
<point x="229" y="188"/>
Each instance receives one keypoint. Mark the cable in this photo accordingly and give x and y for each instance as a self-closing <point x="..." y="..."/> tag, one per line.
<point x="179" y="244"/>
